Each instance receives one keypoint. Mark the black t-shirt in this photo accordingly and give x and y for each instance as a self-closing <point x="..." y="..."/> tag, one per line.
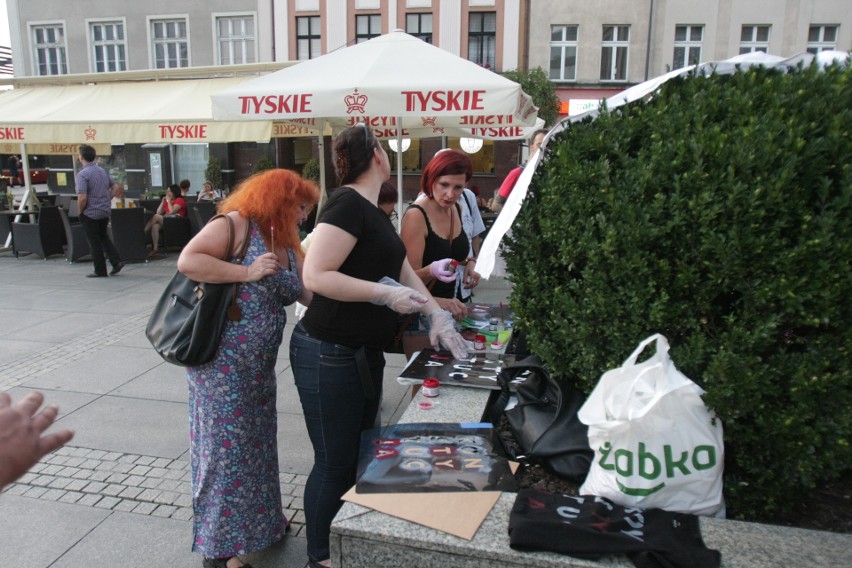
<point x="378" y="252"/>
<point x="438" y="248"/>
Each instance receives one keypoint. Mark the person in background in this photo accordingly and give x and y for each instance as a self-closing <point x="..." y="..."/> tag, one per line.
<point x="358" y="272"/>
<point x="236" y="495"/>
<point x="207" y="192"/>
<point x="22" y="444"/>
<point x="184" y="188"/>
<point x="12" y="163"/>
<point x="95" y="190"/>
<point x="509" y="183"/>
<point x="467" y="280"/>
<point x="388" y="197"/>
<point x="171" y="204"/>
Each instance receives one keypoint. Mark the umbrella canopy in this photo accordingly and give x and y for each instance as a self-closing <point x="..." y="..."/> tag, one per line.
<point x="400" y="85"/>
<point x="122" y="112"/>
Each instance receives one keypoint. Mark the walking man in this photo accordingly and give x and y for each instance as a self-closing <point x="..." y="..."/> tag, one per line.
<point x="95" y="190"/>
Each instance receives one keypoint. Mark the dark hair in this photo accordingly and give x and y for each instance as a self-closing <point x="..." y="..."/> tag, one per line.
<point x="353" y="150"/>
<point x="445" y="163"/>
<point x="184" y="184"/>
<point x="536" y="133"/>
<point x="388" y="193"/>
<point x="175" y="189"/>
<point x="88" y="153"/>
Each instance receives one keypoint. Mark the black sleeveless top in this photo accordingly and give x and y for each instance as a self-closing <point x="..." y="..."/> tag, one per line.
<point x="438" y="247"/>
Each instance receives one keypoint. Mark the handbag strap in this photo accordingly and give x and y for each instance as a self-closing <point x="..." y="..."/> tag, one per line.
<point x="506" y="376"/>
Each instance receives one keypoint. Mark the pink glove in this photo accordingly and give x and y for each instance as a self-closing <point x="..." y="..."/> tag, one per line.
<point x="443" y="332"/>
<point x="444" y="270"/>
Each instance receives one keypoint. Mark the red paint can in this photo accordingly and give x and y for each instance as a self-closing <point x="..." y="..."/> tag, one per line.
<point x="431" y="388"/>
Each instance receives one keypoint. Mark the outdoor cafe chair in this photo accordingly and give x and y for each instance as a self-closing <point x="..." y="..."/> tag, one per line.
<point x="43" y="238"/>
<point x="76" y="243"/>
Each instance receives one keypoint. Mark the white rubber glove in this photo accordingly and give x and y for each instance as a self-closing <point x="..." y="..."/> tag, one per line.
<point x="443" y="332"/>
<point x="401" y="299"/>
<point x="444" y="270"/>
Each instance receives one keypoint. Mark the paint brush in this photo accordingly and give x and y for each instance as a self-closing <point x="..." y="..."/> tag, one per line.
<point x="272" y="236"/>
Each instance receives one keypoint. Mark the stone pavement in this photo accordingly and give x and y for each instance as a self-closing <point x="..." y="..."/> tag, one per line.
<point x="119" y="493"/>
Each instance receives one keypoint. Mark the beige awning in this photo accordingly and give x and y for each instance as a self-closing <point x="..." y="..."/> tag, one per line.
<point x="166" y="111"/>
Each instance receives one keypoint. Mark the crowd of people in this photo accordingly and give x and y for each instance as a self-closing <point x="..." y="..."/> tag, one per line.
<point x="358" y="278"/>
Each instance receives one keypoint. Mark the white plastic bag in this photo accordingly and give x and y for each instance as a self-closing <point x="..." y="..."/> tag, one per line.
<point x="655" y="443"/>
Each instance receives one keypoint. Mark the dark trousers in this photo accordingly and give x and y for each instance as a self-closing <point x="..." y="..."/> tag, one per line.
<point x="336" y="412"/>
<point x="99" y="243"/>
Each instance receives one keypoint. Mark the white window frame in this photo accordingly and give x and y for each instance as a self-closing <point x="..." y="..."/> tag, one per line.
<point x="57" y="52"/>
<point x="112" y="44"/>
<point x="615" y="45"/>
<point x="309" y="38"/>
<point x="753" y="44"/>
<point x="821" y="44"/>
<point x="236" y="42"/>
<point x="564" y="45"/>
<point x="152" y="51"/>
<point x="689" y="46"/>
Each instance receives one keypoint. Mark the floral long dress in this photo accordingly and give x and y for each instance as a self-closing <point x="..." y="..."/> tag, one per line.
<point x="236" y="494"/>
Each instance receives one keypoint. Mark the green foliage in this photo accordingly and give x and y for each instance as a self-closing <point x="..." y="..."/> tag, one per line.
<point x="213" y="173"/>
<point x="311" y="170"/>
<point x="717" y="213"/>
<point x="263" y="164"/>
<point x="536" y="84"/>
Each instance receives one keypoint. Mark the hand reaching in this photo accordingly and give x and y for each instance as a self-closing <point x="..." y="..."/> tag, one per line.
<point x="263" y="265"/>
<point x="21" y="440"/>
<point x="444" y="270"/>
<point x="443" y="332"/>
<point x="399" y="298"/>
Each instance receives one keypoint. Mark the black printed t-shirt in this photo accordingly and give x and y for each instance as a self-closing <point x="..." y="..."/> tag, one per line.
<point x="378" y="252"/>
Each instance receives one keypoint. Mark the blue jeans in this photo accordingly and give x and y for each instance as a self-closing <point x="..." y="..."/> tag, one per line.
<point x="336" y="411"/>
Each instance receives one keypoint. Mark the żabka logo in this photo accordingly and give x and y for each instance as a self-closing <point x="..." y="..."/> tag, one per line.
<point x="355" y="102"/>
<point x="90" y="133"/>
<point x="650" y="467"/>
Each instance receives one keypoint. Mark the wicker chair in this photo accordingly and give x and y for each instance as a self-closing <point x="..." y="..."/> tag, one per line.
<point x="43" y="238"/>
<point x="76" y="243"/>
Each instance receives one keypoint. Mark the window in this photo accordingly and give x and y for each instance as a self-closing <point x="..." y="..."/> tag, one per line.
<point x="170" y="43"/>
<point x="108" y="46"/>
<point x="49" y="48"/>
<point x="563" y="53"/>
<point x="308" y="44"/>
<point x="235" y="40"/>
<point x="822" y="38"/>
<point x="687" y="46"/>
<point x="614" y="50"/>
<point x="482" y="39"/>
<point x="754" y="38"/>
<point x="367" y="26"/>
<point x="420" y="26"/>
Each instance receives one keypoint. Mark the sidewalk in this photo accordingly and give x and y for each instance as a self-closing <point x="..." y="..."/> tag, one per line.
<point x="119" y="494"/>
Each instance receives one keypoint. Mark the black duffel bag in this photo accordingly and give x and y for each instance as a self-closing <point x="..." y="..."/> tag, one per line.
<point x="544" y="421"/>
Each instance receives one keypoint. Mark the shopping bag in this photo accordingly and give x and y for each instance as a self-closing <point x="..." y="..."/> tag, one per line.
<point x="655" y="443"/>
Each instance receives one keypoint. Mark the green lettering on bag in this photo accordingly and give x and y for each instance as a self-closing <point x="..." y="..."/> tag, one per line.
<point x="638" y="492"/>
<point x="645" y="458"/>
<point x="624" y="462"/>
<point x="605" y="449"/>
<point x="671" y="464"/>
<point x="711" y="457"/>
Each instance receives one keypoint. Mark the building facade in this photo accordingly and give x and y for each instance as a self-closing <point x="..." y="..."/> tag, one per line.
<point x="595" y="50"/>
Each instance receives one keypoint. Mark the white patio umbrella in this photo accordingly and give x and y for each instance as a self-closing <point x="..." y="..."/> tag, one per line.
<point x="397" y="83"/>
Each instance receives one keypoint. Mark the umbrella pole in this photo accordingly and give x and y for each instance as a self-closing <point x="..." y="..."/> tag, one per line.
<point x="321" y="147"/>
<point x="399" y="174"/>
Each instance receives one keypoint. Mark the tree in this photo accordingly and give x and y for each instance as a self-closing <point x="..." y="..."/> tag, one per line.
<point x="536" y="84"/>
<point x="213" y="173"/>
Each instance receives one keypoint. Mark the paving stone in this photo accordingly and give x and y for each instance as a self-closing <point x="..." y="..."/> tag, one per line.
<point x="128" y="458"/>
<point x="74" y="461"/>
<point x="145" y="508"/>
<point x="99" y="475"/>
<point x="111" y="456"/>
<point x="173" y="474"/>
<point x="94" y="487"/>
<point x="42" y="480"/>
<point x="51" y="469"/>
<point x="122" y="467"/>
<point x="150" y="482"/>
<point x="140" y="470"/>
<point x="112" y="489"/>
<point x="83" y="474"/>
<point x="134" y="480"/>
<point x="96" y="454"/>
<point x="182" y="514"/>
<point x="145" y="460"/>
<point x="166" y="497"/>
<point x="60" y="483"/>
<point x="107" y="502"/>
<point x="183" y="500"/>
<point x="90" y="464"/>
<point x="161" y="462"/>
<point x="17" y="489"/>
<point x="148" y="495"/>
<point x="76" y="485"/>
<point x="164" y="511"/>
<point x="170" y="485"/>
<point x="27" y="478"/>
<point x="57" y="459"/>
<point x="116" y="478"/>
<point x="53" y="495"/>
<point x="125" y="506"/>
<point x="130" y="492"/>
<point x="89" y="500"/>
<point x="67" y="471"/>
<point x="71" y="497"/>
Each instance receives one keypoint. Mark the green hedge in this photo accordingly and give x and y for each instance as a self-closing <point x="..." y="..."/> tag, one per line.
<point x="717" y="213"/>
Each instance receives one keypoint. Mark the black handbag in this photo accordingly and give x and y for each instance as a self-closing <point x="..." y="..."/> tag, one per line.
<point x="188" y="319"/>
<point x="544" y="421"/>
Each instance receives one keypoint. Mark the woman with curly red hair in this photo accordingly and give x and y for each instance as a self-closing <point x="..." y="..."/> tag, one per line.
<point x="233" y="443"/>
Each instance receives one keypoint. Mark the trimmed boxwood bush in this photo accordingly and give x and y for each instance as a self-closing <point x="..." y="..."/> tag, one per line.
<point x="717" y="213"/>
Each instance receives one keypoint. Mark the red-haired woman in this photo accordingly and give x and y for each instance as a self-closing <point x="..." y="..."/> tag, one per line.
<point x="234" y="457"/>
<point x="432" y="228"/>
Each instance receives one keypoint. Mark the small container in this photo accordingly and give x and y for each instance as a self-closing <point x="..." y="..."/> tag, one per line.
<point x="479" y="342"/>
<point x="496" y="346"/>
<point x="494" y="324"/>
<point x="431" y="388"/>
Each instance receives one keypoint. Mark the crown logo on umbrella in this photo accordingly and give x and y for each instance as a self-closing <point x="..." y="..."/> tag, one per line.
<point x="429" y="120"/>
<point x="90" y="133"/>
<point x="355" y="102"/>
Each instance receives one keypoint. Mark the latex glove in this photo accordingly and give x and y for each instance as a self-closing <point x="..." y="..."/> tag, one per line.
<point x="401" y="299"/>
<point x="444" y="270"/>
<point x="443" y="332"/>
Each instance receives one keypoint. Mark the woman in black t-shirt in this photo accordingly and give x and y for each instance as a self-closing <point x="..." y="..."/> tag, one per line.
<point x="360" y="278"/>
